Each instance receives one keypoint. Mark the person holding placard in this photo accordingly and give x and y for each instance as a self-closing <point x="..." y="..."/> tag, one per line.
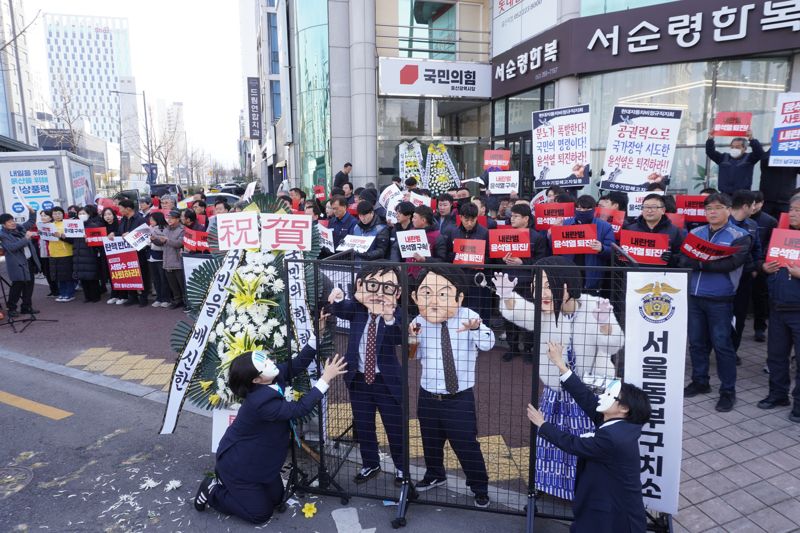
<point x="131" y="219"/>
<point x="85" y="258"/>
<point x="741" y="209"/>
<point x="654" y="220"/>
<point x="342" y="223"/>
<point x="46" y="217"/>
<point x="404" y="212"/>
<point x="735" y="166"/>
<point x="784" y="326"/>
<point x="712" y="288"/>
<point x="22" y="262"/>
<point x="369" y="225"/>
<point x="760" y="292"/>
<point x="445" y="217"/>
<point x="61" y="259"/>
<point x="172" y="242"/>
<point x="155" y="260"/>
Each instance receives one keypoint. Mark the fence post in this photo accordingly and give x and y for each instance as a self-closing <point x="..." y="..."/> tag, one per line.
<point x="407" y="490"/>
<point x="537" y="339"/>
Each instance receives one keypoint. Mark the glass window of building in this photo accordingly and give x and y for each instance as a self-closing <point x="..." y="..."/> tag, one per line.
<point x="597" y="7"/>
<point x="274" y="66"/>
<point x="275" y="99"/>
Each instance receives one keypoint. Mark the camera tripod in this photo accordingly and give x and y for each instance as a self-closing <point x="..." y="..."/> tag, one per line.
<point x="5" y="317"/>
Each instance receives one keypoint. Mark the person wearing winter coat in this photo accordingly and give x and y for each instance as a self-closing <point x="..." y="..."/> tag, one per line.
<point x="155" y="260"/>
<point x="111" y="223"/>
<point x="85" y="258"/>
<point x="21" y="261"/>
<point x="61" y="259"/>
<point x="369" y="225"/>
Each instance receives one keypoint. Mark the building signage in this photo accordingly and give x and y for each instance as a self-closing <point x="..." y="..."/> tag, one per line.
<point x="443" y="79"/>
<point x="661" y="34"/>
<point x="513" y="21"/>
<point x="254" y="108"/>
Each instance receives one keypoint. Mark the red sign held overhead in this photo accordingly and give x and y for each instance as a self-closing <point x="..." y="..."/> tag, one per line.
<point x="548" y="215"/>
<point x="568" y="240"/>
<point x="469" y="251"/>
<point x="784" y="247"/>
<point x="319" y="192"/>
<point x="704" y="251"/>
<point x="646" y="248"/>
<point x="516" y="242"/>
<point x="692" y="208"/>
<point x="94" y="236"/>
<point x="732" y="123"/>
<point x="615" y="217"/>
<point x="497" y="159"/>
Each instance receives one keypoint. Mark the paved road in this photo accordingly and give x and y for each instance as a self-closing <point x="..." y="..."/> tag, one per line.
<point x="77" y="460"/>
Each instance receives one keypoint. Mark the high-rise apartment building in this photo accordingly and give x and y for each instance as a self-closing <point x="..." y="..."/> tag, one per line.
<point x="17" y="115"/>
<point x="88" y="61"/>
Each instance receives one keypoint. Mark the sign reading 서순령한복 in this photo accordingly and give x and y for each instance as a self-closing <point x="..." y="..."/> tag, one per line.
<point x="785" y="151"/>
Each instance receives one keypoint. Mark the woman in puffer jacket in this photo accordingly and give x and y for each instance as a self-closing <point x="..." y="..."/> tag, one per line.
<point x="85" y="258"/>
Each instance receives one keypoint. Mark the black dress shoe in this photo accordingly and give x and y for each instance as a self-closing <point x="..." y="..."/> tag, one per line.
<point x="693" y="389"/>
<point x="760" y="336"/>
<point x="130" y="302"/>
<point x="726" y="402"/>
<point x="771" y="402"/>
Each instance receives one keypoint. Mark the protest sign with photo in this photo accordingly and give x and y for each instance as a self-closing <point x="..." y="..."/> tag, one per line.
<point x="505" y="241"/>
<point x="615" y="217"/>
<point x="692" y="208"/>
<point x="285" y="232"/>
<point x="123" y="265"/>
<point x="469" y="251"/>
<point x="646" y="248"/>
<point x="575" y="239"/>
<point x="547" y="215"/>
<point x="73" y="228"/>
<point x="138" y="237"/>
<point x="496" y="159"/>
<point x="732" y="123"/>
<point x="504" y="182"/>
<point x="704" y="251"/>
<point x="561" y="146"/>
<point x="238" y="231"/>
<point x="413" y="242"/>
<point x="785" y="147"/>
<point x="47" y="232"/>
<point x="95" y="236"/>
<point x="325" y="237"/>
<point x="195" y="241"/>
<point x="784" y="247"/>
<point x="359" y="245"/>
<point x="640" y="149"/>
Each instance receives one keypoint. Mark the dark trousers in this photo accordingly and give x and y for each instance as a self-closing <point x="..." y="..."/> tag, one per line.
<point x="141" y="296"/>
<point x="453" y="419"/>
<point x="177" y="285"/>
<point x="741" y="304"/>
<point x="22" y="290"/>
<point x="253" y="502"/>
<point x="45" y="262"/>
<point x="159" y="281"/>
<point x="784" y="333"/>
<point x="760" y="293"/>
<point x="710" y="326"/>
<point x="91" y="290"/>
<point x="366" y="400"/>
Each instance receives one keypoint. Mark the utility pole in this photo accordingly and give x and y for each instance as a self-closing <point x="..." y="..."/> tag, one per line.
<point x="147" y="133"/>
<point x="119" y="108"/>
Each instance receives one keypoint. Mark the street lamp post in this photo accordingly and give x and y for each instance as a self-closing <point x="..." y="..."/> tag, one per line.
<point x="146" y="126"/>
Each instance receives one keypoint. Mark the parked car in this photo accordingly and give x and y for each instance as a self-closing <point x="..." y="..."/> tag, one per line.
<point x="212" y="197"/>
<point x="160" y="189"/>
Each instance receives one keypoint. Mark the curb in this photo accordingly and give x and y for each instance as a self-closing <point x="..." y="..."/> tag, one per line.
<point x="133" y="389"/>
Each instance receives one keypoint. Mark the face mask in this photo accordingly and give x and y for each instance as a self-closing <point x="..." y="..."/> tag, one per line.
<point x="611" y="394"/>
<point x="735" y="153"/>
<point x="584" y="217"/>
<point x="264" y="364"/>
<point x="83" y="218"/>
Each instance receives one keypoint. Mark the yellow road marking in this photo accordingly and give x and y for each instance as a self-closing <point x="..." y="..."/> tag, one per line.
<point x="19" y="402"/>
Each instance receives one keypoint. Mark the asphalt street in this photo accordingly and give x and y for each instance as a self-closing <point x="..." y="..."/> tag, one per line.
<point x="80" y="457"/>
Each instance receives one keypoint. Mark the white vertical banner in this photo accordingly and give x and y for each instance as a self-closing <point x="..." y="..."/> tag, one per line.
<point x="656" y="317"/>
<point x="298" y="304"/>
<point x="196" y="344"/>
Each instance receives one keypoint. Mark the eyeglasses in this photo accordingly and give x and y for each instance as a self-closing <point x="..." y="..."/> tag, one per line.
<point x="710" y="209"/>
<point x="387" y="288"/>
<point x="652" y="207"/>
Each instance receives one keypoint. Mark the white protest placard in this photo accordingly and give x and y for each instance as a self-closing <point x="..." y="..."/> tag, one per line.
<point x="249" y="191"/>
<point x="238" y="231"/>
<point x="359" y="245"/>
<point x="656" y="317"/>
<point x="326" y="237"/>
<point x="561" y="146"/>
<point x="138" y="237"/>
<point x="412" y="242"/>
<point x="539" y="198"/>
<point x="391" y="209"/>
<point x="220" y="420"/>
<point x="419" y="199"/>
<point x="388" y="194"/>
<point x="285" y="232"/>
<point x="504" y="182"/>
<point x="73" y="228"/>
<point x="640" y="148"/>
<point x="785" y="148"/>
<point x="635" y="201"/>
<point x="47" y="232"/>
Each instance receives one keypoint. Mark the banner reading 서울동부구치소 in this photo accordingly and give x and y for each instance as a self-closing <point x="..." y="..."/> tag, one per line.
<point x="640" y="148"/>
<point x="656" y="318"/>
<point x="561" y="146"/>
<point x="785" y="148"/>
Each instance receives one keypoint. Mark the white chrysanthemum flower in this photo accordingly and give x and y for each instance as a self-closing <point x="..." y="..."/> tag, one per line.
<point x="271" y="271"/>
<point x="288" y="393"/>
<point x="273" y="323"/>
<point x="278" y="285"/>
<point x="173" y="484"/>
<point x="220" y="329"/>
<point x="236" y="327"/>
<point x="221" y="385"/>
<point x="277" y="340"/>
<point x="212" y="336"/>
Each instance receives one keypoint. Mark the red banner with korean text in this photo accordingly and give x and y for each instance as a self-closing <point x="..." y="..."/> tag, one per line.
<point x="732" y="123"/>
<point x="497" y="159"/>
<point x="615" y="217"/>
<point x="547" y="215"/>
<point x="123" y="265"/>
<point x="691" y="207"/>
<point x="469" y="251"/>
<point x="704" y="251"/>
<point x="567" y="240"/>
<point x="195" y="241"/>
<point x="94" y="236"/>
<point x="679" y="221"/>
<point x="516" y="242"/>
<point x="646" y="248"/>
<point x="784" y="247"/>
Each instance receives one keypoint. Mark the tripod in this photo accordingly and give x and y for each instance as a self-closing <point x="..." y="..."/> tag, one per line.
<point x="10" y="321"/>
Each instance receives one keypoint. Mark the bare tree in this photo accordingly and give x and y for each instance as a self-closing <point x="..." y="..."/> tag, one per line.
<point x="67" y="114"/>
<point x="164" y="147"/>
<point x="197" y="163"/>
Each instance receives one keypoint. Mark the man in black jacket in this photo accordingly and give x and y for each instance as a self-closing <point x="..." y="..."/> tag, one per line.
<point x="369" y="225"/>
<point x="766" y="224"/>
<point x="404" y="211"/>
<point x="740" y="216"/>
<point x="777" y="184"/>
<point x="654" y="220"/>
<point x="343" y="176"/>
<point x="131" y="219"/>
<point x="446" y="217"/>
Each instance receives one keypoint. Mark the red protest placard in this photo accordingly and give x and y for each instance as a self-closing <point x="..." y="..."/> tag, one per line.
<point x="516" y="242"/>
<point x="691" y="207"/>
<point x="497" y="159"/>
<point x="295" y="204"/>
<point x="704" y="251"/>
<point x="319" y="192"/>
<point x="94" y="236"/>
<point x="732" y="123"/>
<point x="483" y="221"/>
<point x="783" y="221"/>
<point x="469" y="251"/>
<point x="575" y="239"/>
<point x="353" y="209"/>
<point x="646" y="248"/>
<point x="614" y="217"/>
<point x="126" y="274"/>
<point x="679" y="221"/>
<point x="201" y="219"/>
<point x="195" y="241"/>
<point x="549" y="214"/>
<point x="784" y="247"/>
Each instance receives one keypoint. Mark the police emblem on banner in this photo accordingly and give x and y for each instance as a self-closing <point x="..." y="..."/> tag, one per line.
<point x="656" y="304"/>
